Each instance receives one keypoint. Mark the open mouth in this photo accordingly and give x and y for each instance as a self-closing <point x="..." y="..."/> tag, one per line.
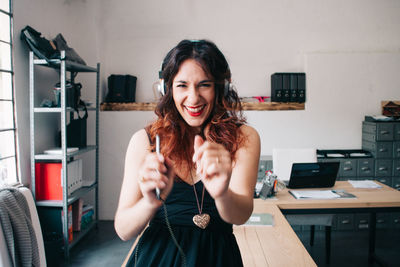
<point x="195" y="111"/>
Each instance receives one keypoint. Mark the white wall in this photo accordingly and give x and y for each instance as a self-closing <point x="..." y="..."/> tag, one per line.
<point x="350" y="51"/>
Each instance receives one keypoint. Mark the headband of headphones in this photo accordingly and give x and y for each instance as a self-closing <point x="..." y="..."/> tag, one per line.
<point x="161" y="86"/>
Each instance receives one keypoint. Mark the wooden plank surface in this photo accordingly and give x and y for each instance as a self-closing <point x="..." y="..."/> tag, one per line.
<point x="365" y="198"/>
<point x="246" y="106"/>
<point x="271" y="246"/>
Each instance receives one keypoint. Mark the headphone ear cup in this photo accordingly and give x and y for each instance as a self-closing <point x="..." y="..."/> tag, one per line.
<point x="161" y="87"/>
<point x="228" y="86"/>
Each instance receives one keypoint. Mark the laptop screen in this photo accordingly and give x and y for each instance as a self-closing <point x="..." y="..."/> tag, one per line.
<point x="318" y="174"/>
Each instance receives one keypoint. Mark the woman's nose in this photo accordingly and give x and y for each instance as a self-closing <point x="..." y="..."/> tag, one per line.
<point x="193" y="92"/>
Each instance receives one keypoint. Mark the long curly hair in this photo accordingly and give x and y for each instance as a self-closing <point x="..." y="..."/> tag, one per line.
<point x="223" y="124"/>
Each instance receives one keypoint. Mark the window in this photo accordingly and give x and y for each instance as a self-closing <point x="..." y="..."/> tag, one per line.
<point x="8" y="145"/>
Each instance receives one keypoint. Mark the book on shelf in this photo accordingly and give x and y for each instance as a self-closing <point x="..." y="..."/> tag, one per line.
<point x="58" y="150"/>
<point x="77" y="214"/>
<point x="87" y="216"/>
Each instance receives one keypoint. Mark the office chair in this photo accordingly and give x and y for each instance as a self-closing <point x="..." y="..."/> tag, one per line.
<point x="282" y="160"/>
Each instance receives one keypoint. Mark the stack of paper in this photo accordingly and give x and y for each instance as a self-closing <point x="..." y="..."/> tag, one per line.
<point x="314" y="194"/>
<point x="261" y="219"/>
<point x="364" y="184"/>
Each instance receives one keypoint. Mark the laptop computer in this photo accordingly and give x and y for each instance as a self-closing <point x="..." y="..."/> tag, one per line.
<point x="313" y="175"/>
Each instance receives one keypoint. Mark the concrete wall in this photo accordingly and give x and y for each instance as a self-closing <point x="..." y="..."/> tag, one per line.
<point x="350" y="51"/>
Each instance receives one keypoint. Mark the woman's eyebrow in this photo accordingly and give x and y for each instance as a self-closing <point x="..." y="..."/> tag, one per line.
<point x="206" y="81"/>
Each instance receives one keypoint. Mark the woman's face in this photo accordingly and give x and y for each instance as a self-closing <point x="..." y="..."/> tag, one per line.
<point x="193" y="92"/>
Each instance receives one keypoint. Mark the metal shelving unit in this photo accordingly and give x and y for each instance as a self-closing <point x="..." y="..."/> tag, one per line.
<point x="64" y="66"/>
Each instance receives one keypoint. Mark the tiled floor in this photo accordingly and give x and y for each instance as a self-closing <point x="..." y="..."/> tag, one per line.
<point x="102" y="247"/>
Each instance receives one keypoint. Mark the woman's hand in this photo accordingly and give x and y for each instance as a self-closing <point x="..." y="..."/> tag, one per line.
<point x="214" y="165"/>
<point x="156" y="172"/>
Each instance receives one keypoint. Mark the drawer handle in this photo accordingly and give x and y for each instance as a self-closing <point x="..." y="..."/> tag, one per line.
<point x="347" y="168"/>
<point x="365" y="168"/>
<point x="382" y="180"/>
<point x="382" y="168"/>
<point x="380" y="221"/>
<point x="396" y="220"/>
<point x="345" y="221"/>
<point x="383" y="150"/>
<point x="363" y="221"/>
<point x="384" y="132"/>
<point x="398" y="168"/>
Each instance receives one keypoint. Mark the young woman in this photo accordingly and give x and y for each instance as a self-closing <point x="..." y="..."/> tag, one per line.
<point x="205" y="172"/>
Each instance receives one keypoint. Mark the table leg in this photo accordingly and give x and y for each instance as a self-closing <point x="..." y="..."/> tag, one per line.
<point x="372" y="236"/>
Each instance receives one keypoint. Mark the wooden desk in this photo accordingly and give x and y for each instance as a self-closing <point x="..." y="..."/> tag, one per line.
<point x="385" y="199"/>
<point x="268" y="246"/>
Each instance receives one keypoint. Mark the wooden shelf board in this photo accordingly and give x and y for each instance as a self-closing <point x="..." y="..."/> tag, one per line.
<point x="246" y="106"/>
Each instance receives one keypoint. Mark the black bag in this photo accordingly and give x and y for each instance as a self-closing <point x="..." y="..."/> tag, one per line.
<point x="76" y="130"/>
<point x="40" y="46"/>
<point x="121" y="88"/>
<point x="70" y="53"/>
<point x="72" y="94"/>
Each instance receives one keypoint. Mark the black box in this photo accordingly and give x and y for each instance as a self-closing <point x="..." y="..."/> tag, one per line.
<point x="121" y="88"/>
<point x="288" y="87"/>
<point x="276" y="87"/>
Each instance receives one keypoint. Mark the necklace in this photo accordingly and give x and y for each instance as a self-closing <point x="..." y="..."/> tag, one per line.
<point x="202" y="219"/>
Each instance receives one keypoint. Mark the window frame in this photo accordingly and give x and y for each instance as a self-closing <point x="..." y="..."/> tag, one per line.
<point x="13" y="129"/>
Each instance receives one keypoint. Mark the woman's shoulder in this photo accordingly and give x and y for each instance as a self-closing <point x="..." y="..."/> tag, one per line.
<point x="140" y="138"/>
<point x="250" y="135"/>
<point x="247" y="130"/>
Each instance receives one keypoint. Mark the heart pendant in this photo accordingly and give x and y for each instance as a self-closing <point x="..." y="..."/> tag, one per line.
<point x="201" y="220"/>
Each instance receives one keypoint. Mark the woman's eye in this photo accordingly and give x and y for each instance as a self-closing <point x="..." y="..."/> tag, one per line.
<point x="181" y="85"/>
<point x="205" y="85"/>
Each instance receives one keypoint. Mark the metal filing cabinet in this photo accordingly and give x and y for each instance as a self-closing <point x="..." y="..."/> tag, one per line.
<point x="382" y="139"/>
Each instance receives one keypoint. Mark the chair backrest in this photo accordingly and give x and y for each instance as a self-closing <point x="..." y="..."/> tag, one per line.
<point x="5" y="259"/>
<point x="283" y="159"/>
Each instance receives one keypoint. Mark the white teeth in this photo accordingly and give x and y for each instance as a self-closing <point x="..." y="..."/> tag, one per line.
<point x="194" y="110"/>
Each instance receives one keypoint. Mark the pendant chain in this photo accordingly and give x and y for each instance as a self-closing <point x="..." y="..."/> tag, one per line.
<point x="197" y="199"/>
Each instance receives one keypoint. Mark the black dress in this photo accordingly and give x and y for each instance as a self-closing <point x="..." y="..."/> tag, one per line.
<point x="214" y="246"/>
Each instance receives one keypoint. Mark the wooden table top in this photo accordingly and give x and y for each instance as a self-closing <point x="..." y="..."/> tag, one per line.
<point x="268" y="246"/>
<point x="365" y="198"/>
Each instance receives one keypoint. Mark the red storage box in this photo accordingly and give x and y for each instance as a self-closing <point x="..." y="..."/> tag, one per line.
<point x="48" y="181"/>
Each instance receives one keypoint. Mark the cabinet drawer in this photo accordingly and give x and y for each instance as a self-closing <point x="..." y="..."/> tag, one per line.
<point x="383" y="167"/>
<point x="365" y="167"/>
<point x="379" y="149"/>
<point x="345" y="222"/>
<point x="396" y="131"/>
<point x="361" y="221"/>
<point x="385" y="180"/>
<point x="396" y="167"/>
<point x="396" y="149"/>
<point x="395" y="220"/>
<point x="348" y="167"/>
<point x="382" y="220"/>
<point x="396" y="183"/>
<point x="378" y="131"/>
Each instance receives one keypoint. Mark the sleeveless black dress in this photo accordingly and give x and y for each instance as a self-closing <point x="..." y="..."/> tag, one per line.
<point x="214" y="246"/>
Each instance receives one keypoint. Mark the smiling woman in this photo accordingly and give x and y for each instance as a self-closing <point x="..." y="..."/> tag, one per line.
<point x="205" y="167"/>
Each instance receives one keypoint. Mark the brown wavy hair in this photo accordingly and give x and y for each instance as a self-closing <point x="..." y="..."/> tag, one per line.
<point x="222" y="126"/>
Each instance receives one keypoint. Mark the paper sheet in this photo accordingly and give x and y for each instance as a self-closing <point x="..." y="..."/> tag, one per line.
<point x="314" y="194"/>
<point x="364" y="184"/>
